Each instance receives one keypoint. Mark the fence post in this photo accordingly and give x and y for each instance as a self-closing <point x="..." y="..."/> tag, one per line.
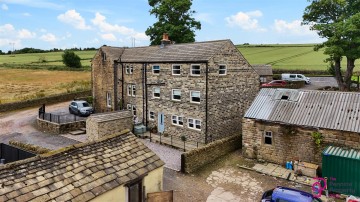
<point x="150" y="136"/>
<point x="50" y="117"/>
<point x="43" y="115"/>
<point x="58" y="119"/>
<point x="184" y="147"/>
<point x="160" y="138"/>
<point x="197" y="144"/>
<point x="171" y="139"/>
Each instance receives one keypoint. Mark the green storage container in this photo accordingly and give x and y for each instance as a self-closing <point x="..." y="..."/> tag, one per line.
<point x="341" y="167"/>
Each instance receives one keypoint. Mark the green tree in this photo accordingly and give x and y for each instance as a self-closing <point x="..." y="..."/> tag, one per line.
<point x="338" y="21"/>
<point x="70" y="59"/>
<point x="175" y="18"/>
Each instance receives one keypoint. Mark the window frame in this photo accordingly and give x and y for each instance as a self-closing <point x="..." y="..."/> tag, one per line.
<point x="151" y="114"/>
<point x="154" y="93"/>
<point x="153" y="71"/>
<point x="222" y="65"/>
<point x="133" y="109"/>
<point x="139" y="184"/>
<point x="271" y="136"/>
<point x="177" y="119"/>
<point x="108" y="99"/>
<point x="131" y="70"/>
<point x="129" y="107"/>
<point x="191" y="70"/>
<point x="172" y="70"/>
<point x="172" y="94"/>
<point x="193" y="122"/>
<point x="133" y="90"/>
<point x="129" y="89"/>
<point x="127" y="69"/>
<point x="191" y="101"/>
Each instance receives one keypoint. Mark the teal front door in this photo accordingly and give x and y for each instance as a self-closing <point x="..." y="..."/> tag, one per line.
<point x="161" y="124"/>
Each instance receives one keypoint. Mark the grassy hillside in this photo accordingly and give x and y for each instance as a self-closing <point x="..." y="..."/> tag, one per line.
<point x="52" y="60"/>
<point x="292" y="57"/>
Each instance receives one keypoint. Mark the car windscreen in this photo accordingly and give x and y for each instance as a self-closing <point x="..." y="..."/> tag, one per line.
<point x="84" y="104"/>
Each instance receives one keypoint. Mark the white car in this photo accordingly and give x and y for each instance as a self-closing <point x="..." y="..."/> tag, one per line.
<point x="295" y="77"/>
<point x="80" y="107"/>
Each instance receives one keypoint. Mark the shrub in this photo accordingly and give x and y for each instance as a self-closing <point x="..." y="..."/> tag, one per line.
<point x="70" y="59"/>
<point x="183" y="138"/>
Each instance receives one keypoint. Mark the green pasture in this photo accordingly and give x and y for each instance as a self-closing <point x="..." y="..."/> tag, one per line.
<point x="291" y="57"/>
<point x="42" y="60"/>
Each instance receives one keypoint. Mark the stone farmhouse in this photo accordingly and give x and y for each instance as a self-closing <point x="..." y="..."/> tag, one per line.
<point x="197" y="90"/>
<point x="114" y="168"/>
<point x="265" y="72"/>
<point x="280" y="124"/>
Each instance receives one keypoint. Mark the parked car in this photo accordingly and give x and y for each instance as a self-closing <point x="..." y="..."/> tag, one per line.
<point x="295" y="77"/>
<point x="81" y="108"/>
<point x="288" y="195"/>
<point x="275" y="83"/>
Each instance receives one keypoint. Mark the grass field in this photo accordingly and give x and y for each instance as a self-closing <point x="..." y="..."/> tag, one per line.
<point x="291" y="57"/>
<point x="51" y="60"/>
<point x="23" y="84"/>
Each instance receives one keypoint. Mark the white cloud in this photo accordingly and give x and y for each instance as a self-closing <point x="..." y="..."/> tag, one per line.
<point x="26" y="34"/>
<point x="26" y="14"/>
<point x="48" y="37"/>
<point x="246" y="21"/>
<point x="74" y="19"/>
<point x="294" y="28"/>
<point x="6" y="28"/>
<point x="105" y="27"/>
<point x="108" y="37"/>
<point x="4" y="7"/>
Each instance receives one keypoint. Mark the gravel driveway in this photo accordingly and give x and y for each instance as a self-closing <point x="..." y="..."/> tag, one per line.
<point x="171" y="157"/>
<point x="21" y="126"/>
<point x="319" y="82"/>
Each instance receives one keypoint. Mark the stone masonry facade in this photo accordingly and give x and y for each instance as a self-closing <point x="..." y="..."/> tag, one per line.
<point x="103" y="124"/>
<point x="223" y="98"/>
<point x="290" y="146"/>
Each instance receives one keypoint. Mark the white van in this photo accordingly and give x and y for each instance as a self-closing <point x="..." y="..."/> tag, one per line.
<point x="295" y="77"/>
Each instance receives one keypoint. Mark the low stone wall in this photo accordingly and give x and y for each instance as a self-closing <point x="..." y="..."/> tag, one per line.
<point x="286" y="146"/>
<point x="46" y="100"/>
<point x="195" y="159"/>
<point x="62" y="128"/>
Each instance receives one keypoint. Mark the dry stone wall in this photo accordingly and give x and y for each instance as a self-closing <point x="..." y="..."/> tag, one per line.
<point x="56" y="128"/>
<point x="195" y="159"/>
<point x="287" y="147"/>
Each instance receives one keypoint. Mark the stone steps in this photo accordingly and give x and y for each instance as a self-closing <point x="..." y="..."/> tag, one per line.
<point x="77" y="132"/>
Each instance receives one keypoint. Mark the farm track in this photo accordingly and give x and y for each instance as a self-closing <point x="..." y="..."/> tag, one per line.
<point x="290" y="57"/>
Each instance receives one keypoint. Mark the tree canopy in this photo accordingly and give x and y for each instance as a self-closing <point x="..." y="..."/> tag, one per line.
<point x="175" y="18"/>
<point x="70" y="59"/>
<point x="339" y="22"/>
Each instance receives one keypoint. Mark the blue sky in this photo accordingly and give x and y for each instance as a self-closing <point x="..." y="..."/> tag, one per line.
<point x="48" y="24"/>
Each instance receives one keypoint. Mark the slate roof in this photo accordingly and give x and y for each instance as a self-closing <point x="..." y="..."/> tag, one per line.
<point x="112" y="53"/>
<point x="79" y="172"/>
<point x="186" y="52"/>
<point x="309" y="108"/>
<point x="263" y="70"/>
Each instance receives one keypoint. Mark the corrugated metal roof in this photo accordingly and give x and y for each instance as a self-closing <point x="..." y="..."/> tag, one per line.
<point x="320" y="109"/>
<point x="198" y="51"/>
<point x="263" y="70"/>
<point x="341" y="152"/>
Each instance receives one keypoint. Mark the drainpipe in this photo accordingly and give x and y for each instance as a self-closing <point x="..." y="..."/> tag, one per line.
<point x="122" y="86"/>
<point x="143" y="91"/>
<point x="146" y="95"/>
<point x="206" y="102"/>
<point x="115" y="85"/>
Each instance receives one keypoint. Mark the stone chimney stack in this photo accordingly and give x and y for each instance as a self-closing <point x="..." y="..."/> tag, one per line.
<point x="165" y="40"/>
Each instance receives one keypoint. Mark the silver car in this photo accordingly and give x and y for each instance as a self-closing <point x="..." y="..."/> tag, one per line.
<point x="81" y="108"/>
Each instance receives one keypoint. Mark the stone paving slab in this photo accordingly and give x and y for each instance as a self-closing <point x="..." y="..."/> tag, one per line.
<point x="79" y="138"/>
<point x="281" y="172"/>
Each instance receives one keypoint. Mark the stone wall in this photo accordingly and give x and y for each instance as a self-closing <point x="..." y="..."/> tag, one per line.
<point x="46" y="100"/>
<point x="102" y="82"/>
<point x="230" y="95"/>
<point x="195" y="159"/>
<point x="100" y="125"/>
<point x="56" y="128"/>
<point x="184" y="108"/>
<point x="287" y="146"/>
